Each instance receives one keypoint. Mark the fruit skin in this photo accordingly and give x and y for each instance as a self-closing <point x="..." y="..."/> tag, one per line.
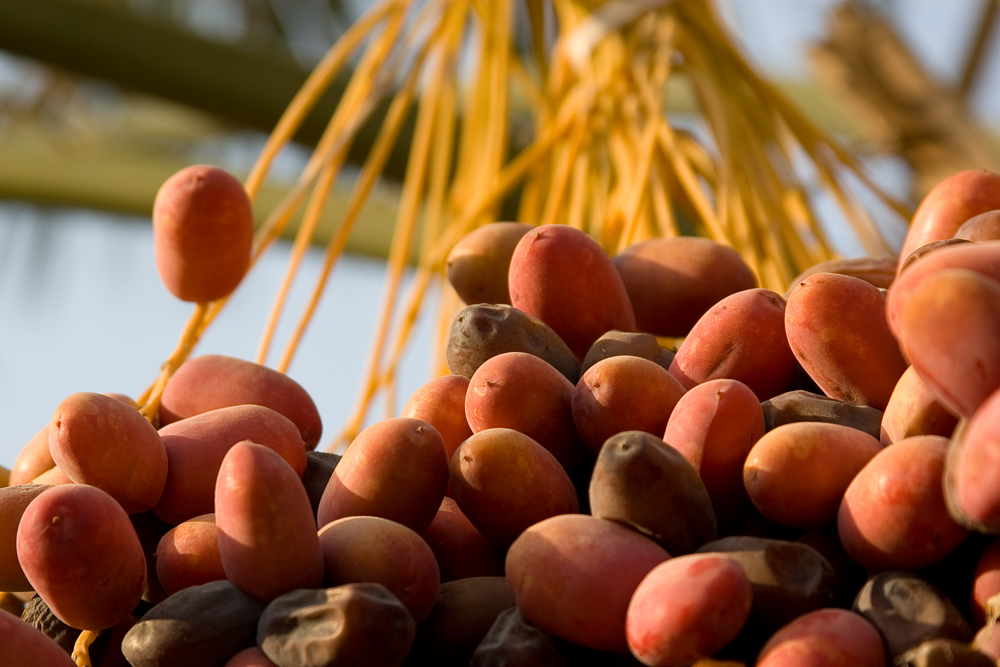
<point x="713" y="426"/>
<point x="687" y="608"/>
<point x="369" y="548"/>
<point x="880" y="271"/>
<point x="213" y="381"/>
<point x="825" y="638"/>
<point x="14" y="500"/>
<point x="796" y="474"/>
<point x="33" y="459"/>
<point x="673" y="281"/>
<point x="985" y="583"/>
<point x="642" y="483"/>
<point x="948" y="328"/>
<point x="914" y="409"/>
<point x="574" y="574"/>
<point x="949" y="205"/>
<point x="908" y="609"/>
<point x="196" y="447"/>
<point x="623" y="393"/>
<point x="836" y="328"/>
<point x="25" y="645"/>
<point x="98" y="440"/>
<point x="971" y="485"/>
<point x="484" y="330"/>
<point x="188" y="555"/>
<point x="788" y="579"/>
<point x="82" y="555"/>
<point x="982" y="227"/>
<point x="742" y="338"/>
<point x="460" y="549"/>
<point x="202" y="233"/>
<point x="266" y="529"/>
<point x="982" y="258"/>
<point x="441" y="403"/>
<point x="396" y="468"/>
<point x="523" y="392"/>
<point x="893" y="514"/>
<point x="503" y="481"/>
<point x="479" y="263"/>
<point x="563" y="277"/>
<point x="250" y="657"/>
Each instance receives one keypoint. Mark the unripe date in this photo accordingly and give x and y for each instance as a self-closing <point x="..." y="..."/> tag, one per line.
<point x="837" y="330"/>
<point x="687" y="608"/>
<point x="479" y="263"/>
<point x="504" y="481"/>
<point x="623" y="393"/>
<point x="14" y="500"/>
<point x="949" y="205"/>
<point x="796" y="474"/>
<point x="266" y="529"/>
<point x="673" y="281"/>
<point x="197" y="445"/>
<point x="948" y="328"/>
<point x="188" y="555"/>
<point x="213" y="381"/>
<point x="742" y="338"/>
<point x="563" y="277"/>
<point x="81" y="554"/>
<point x="713" y="426"/>
<point x="24" y="645"/>
<point x="396" y="468"/>
<point x="360" y="549"/>
<point x="560" y="572"/>
<point x="825" y="638"/>
<point x="893" y="514"/>
<point x="101" y="441"/>
<point x="202" y="232"/>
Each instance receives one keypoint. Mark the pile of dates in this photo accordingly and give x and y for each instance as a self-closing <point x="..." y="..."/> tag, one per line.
<point x="638" y="459"/>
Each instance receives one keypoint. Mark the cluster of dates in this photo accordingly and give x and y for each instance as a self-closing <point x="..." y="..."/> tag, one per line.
<point x="806" y="479"/>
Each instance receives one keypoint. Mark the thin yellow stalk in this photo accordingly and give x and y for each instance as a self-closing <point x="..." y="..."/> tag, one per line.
<point x="811" y="138"/>
<point x="345" y="120"/>
<point x="640" y="180"/>
<point x="536" y="20"/>
<point x="601" y="179"/>
<point x="149" y="402"/>
<point x="578" y="190"/>
<point x="314" y="87"/>
<point x="302" y="242"/>
<point x="781" y="258"/>
<point x="350" y="113"/>
<point x="767" y="187"/>
<point x="526" y="84"/>
<point x="496" y="103"/>
<point x="443" y="87"/>
<point x="377" y="158"/>
<point x="560" y="180"/>
<point x="698" y="158"/>
<point x="451" y="304"/>
<point x="689" y="181"/>
<point x="409" y="204"/>
<point x="872" y="241"/>
<point x="509" y="176"/>
<point x="663" y="214"/>
<point x="532" y="195"/>
<point x="490" y="100"/>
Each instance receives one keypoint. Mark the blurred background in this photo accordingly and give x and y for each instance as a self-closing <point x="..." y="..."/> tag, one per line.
<point x="101" y="100"/>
